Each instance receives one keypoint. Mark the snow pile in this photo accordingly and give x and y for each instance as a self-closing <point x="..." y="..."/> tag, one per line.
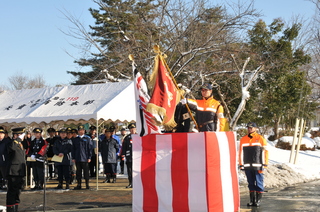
<point x="282" y="173"/>
<point x="309" y="142"/>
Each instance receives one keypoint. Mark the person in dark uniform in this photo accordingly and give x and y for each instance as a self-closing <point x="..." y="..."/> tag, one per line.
<point x="127" y="151"/>
<point x="38" y="150"/>
<point x="26" y="146"/>
<point x="3" y="159"/>
<point x="123" y="134"/>
<point x="16" y="170"/>
<point x="109" y="148"/>
<point x="50" y="140"/>
<point x="69" y="131"/>
<point x="62" y="148"/>
<point x="93" y="163"/>
<point x="81" y="156"/>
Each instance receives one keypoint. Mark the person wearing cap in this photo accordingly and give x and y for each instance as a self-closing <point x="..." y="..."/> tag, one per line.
<point x="3" y="158"/>
<point x="126" y="151"/>
<point x="81" y="156"/>
<point x="93" y="163"/>
<point x="253" y="158"/>
<point x="123" y="134"/>
<point x="26" y="146"/>
<point x="72" y="164"/>
<point x="38" y="150"/>
<point x="209" y="112"/>
<point x="115" y="136"/>
<point x="108" y="148"/>
<point x="51" y="140"/>
<point x="62" y="148"/>
<point x="16" y="169"/>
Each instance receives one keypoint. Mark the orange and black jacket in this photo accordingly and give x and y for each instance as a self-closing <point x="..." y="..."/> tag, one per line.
<point x="209" y="114"/>
<point x="253" y="153"/>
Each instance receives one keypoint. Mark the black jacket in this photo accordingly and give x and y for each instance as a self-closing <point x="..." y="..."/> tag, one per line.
<point x="4" y="151"/>
<point x="127" y="148"/>
<point x="38" y="147"/>
<point x="16" y="159"/>
<point x="51" y="142"/>
<point x="63" y="146"/>
<point x="109" y="148"/>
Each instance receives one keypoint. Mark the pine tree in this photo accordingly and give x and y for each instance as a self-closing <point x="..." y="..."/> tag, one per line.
<point x="282" y="88"/>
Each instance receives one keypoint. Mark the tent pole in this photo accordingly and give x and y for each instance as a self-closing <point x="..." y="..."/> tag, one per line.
<point x="97" y="157"/>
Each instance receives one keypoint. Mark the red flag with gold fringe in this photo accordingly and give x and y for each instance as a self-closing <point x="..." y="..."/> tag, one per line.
<point x="165" y="95"/>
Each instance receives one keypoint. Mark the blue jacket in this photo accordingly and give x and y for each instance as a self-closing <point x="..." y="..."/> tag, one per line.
<point x="82" y="149"/>
<point x="63" y="146"/>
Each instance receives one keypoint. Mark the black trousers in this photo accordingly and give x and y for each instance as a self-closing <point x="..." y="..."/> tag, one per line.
<point x="82" y="166"/>
<point x="38" y="171"/>
<point x="122" y="166"/>
<point x="129" y="170"/>
<point x="63" y="171"/>
<point x="14" y="189"/>
<point x="110" y="168"/>
<point x="3" y="171"/>
<point x="92" y="165"/>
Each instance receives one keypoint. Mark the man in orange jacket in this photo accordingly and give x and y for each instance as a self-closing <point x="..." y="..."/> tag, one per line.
<point x="209" y="112"/>
<point x="253" y="158"/>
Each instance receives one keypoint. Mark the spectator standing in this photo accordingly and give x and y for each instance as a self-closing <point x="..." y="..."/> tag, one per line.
<point x="109" y="148"/>
<point x="3" y="159"/>
<point x="16" y="170"/>
<point x="127" y="151"/>
<point x="93" y="163"/>
<point x="123" y="134"/>
<point x="253" y="158"/>
<point x="51" y="140"/>
<point x="81" y="156"/>
<point x="38" y="152"/>
<point x="72" y="164"/>
<point x="62" y="148"/>
<point x="115" y="136"/>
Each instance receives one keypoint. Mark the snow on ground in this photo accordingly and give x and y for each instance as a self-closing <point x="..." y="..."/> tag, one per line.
<point x="282" y="173"/>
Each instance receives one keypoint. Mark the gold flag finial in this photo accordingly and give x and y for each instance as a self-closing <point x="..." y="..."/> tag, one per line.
<point x="131" y="57"/>
<point x="156" y="49"/>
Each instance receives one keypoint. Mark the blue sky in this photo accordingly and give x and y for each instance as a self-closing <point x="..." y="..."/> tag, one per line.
<point x="31" y="41"/>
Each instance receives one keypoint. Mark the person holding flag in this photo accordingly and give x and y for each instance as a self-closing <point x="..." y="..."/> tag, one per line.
<point x="209" y="112"/>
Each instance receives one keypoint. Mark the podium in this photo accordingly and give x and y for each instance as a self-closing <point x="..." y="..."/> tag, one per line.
<point x="185" y="172"/>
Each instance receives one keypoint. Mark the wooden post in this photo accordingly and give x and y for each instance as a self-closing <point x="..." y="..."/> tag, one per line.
<point x="299" y="141"/>
<point x="294" y="140"/>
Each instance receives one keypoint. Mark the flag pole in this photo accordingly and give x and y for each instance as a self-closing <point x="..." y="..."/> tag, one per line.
<point x="156" y="49"/>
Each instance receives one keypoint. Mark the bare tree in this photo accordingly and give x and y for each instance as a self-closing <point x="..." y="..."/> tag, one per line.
<point x="20" y="81"/>
<point x="195" y="35"/>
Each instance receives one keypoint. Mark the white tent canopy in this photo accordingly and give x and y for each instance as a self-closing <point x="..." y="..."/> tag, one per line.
<point x="93" y="102"/>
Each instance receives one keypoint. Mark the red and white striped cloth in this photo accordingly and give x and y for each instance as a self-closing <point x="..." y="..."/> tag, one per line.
<point x="144" y="121"/>
<point x="185" y="172"/>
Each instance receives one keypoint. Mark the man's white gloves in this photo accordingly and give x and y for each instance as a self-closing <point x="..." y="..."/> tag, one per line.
<point x="184" y="101"/>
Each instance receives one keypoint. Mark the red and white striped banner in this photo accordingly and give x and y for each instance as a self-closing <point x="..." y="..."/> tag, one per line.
<point x="185" y="172"/>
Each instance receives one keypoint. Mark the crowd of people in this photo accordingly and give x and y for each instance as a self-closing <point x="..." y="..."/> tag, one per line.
<point x="70" y="154"/>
